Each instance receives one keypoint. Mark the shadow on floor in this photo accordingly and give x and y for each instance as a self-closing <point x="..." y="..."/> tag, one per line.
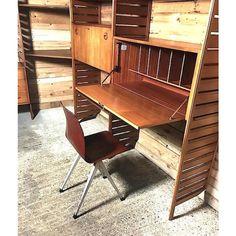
<point x="136" y="171"/>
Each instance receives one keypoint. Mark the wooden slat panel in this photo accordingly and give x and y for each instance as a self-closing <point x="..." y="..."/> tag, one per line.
<point x="200" y="142"/>
<point x="201" y="137"/>
<point x="204" y="120"/>
<point x="208" y="85"/>
<point x="140" y="2"/>
<point x="131" y="20"/>
<point x="206" y="109"/>
<point x="203" y="131"/>
<point x="213" y="42"/>
<point x="127" y="30"/>
<point x="196" y="170"/>
<point x="123" y="131"/>
<point x="131" y="9"/>
<point x="207" y="97"/>
<point x="190" y="189"/>
<point x="86" y="19"/>
<point x="192" y="180"/>
<point x="197" y="161"/>
<point x="191" y="195"/>
<point x="210" y="71"/>
<point x="199" y="152"/>
<point x="212" y="57"/>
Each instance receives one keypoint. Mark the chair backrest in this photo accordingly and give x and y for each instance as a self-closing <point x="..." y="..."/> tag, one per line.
<point x="74" y="132"/>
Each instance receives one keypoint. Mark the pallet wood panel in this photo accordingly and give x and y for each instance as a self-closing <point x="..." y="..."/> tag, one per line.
<point x="200" y="140"/>
<point x="180" y="20"/>
<point x="47" y="29"/>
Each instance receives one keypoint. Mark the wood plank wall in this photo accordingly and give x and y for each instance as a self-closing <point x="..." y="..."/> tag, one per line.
<point x="52" y="78"/>
<point x="181" y="21"/>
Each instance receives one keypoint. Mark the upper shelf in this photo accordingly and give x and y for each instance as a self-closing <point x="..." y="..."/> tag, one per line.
<point x="40" y="6"/>
<point x="164" y="43"/>
<point x="60" y="54"/>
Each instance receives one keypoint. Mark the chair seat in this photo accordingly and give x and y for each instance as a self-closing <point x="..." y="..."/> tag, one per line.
<point x="102" y="145"/>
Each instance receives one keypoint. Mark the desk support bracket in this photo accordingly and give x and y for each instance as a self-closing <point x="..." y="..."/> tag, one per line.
<point x="181" y="105"/>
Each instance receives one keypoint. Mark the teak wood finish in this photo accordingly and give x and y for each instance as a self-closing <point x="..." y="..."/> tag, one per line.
<point x="171" y="80"/>
<point x="201" y="134"/>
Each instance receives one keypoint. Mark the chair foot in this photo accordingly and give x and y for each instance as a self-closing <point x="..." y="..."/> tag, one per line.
<point x="61" y="190"/>
<point x="122" y="199"/>
<point x="104" y="177"/>
<point x="75" y="216"/>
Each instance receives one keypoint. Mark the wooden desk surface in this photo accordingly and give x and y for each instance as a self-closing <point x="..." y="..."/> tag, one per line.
<point x="128" y="106"/>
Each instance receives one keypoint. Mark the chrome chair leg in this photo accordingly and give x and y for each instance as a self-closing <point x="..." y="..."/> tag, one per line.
<point x="69" y="174"/>
<point x="101" y="170"/>
<point x="111" y="180"/>
<point x="88" y="183"/>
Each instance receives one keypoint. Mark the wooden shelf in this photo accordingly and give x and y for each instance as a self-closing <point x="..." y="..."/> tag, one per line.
<point x="60" y="54"/>
<point x="163" y="43"/>
<point x="39" y="6"/>
<point x="95" y="25"/>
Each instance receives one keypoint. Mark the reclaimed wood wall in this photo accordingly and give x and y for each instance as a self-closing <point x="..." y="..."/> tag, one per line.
<point x="180" y="21"/>
<point x="51" y="80"/>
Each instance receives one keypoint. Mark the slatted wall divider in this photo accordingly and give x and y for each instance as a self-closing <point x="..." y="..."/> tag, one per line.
<point x="85" y="75"/>
<point x="201" y="133"/>
<point x="132" y="18"/>
<point x="123" y="131"/>
<point x="25" y="45"/>
<point x="86" y="12"/>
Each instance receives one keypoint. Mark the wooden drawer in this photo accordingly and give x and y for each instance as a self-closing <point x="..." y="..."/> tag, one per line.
<point x="93" y="46"/>
<point x="23" y="97"/>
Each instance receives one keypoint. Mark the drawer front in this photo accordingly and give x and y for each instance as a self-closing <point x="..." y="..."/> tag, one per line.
<point x="93" y="46"/>
<point x="23" y="97"/>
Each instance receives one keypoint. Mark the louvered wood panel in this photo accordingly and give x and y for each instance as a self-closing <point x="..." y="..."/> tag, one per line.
<point x="132" y="18"/>
<point x="201" y="134"/>
<point x="85" y="75"/>
<point x="86" y="12"/>
<point x="123" y="131"/>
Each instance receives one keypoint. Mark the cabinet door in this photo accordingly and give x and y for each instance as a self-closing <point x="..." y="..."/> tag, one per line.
<point x="93" y="46"/>
<point x="23" y="97"/>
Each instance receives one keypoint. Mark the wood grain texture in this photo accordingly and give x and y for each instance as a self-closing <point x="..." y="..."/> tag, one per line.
<point x="93" y="45"/>
<point x="23" y="94"/>
<point x="129" y="106"/>
<point x="47" y="29"/>
<point x="200" y="138"/>
<point x="184" y="21"/>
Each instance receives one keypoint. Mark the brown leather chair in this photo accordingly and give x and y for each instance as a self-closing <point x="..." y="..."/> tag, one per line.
<point x="93" y="149"/>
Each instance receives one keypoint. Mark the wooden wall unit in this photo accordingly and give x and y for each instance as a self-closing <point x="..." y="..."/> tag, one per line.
<point x="176" y="73"/>
<point x="91" y="28"/>
<point x="45" y="27"/>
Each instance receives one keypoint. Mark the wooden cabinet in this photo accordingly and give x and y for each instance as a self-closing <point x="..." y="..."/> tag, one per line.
<point x="93" y="46"/>
<point x="23" y="95"/>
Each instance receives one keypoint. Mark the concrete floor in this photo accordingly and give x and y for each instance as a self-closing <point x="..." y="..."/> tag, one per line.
<point x="44" y="158"/>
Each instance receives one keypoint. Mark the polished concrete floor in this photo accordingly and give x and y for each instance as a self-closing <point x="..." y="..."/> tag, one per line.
<point x="44" y="156"/>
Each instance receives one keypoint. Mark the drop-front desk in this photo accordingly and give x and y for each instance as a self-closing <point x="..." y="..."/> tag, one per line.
<point x="139" y="104"/>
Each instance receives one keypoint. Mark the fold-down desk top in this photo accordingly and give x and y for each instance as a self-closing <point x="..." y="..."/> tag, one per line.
<point x="131" y="107"/>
